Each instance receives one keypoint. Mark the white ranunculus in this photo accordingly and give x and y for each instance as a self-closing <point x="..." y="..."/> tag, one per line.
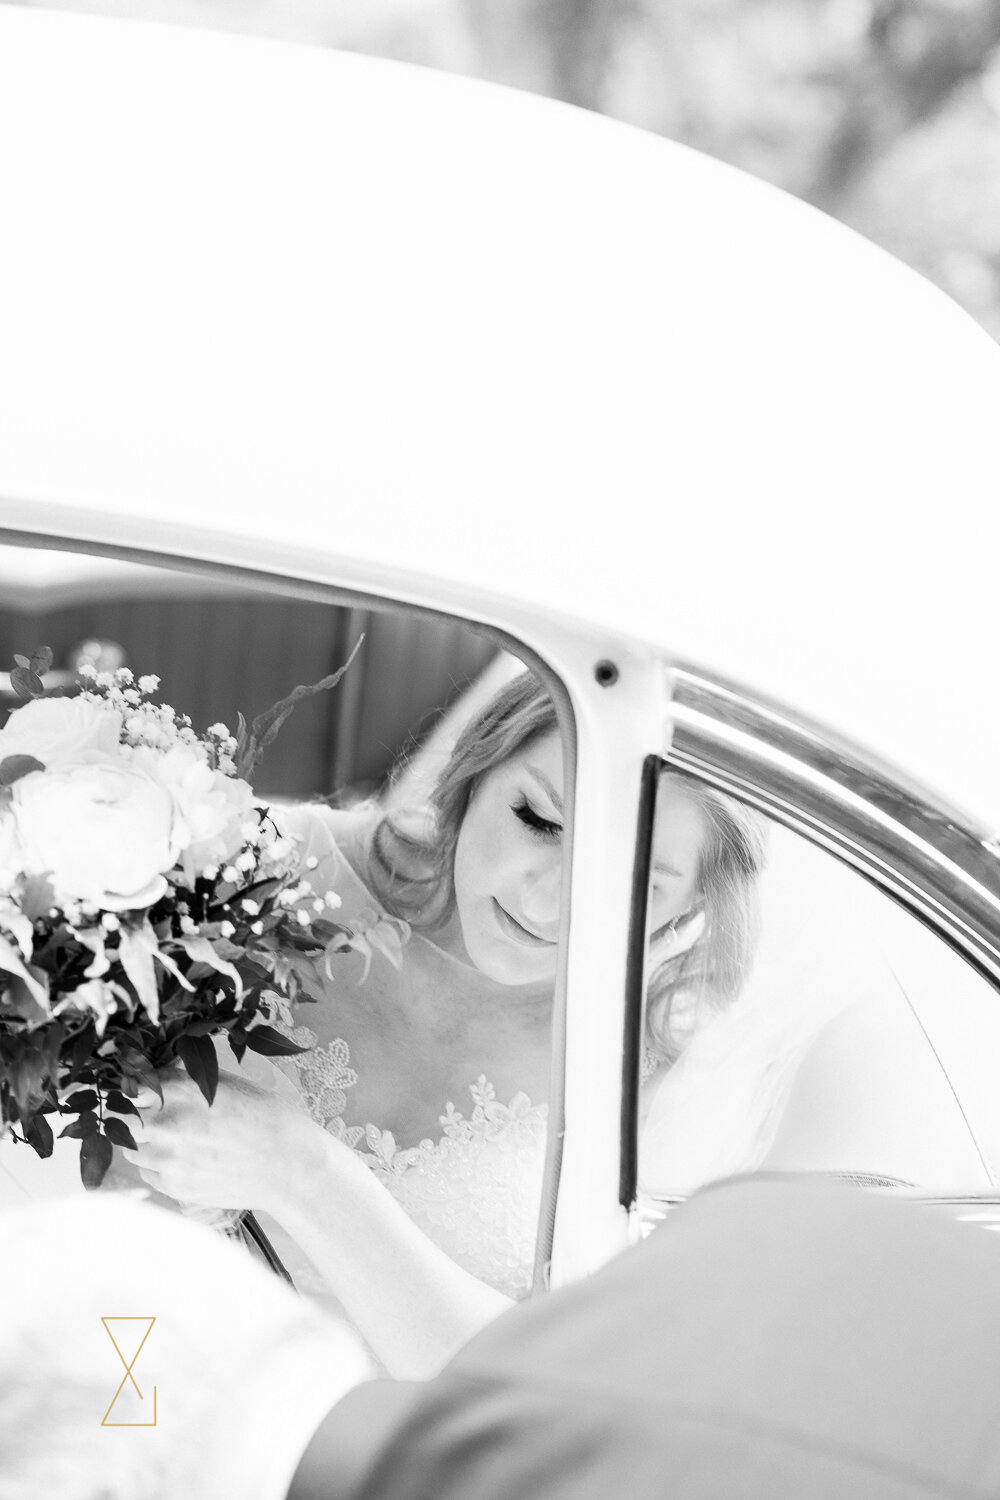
<point x="101" y="832"/>
<point x="62" y="731"/>
<point x="211" y="808"/>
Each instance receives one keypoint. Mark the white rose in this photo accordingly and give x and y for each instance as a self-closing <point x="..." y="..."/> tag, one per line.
<point x="211" y="808"/>
<point x="11" y="853"/>
<point x="62" y="731"/>
<point x="102" y="832"/>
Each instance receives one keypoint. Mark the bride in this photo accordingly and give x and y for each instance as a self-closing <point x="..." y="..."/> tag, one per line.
<point x="407" y="1162"/>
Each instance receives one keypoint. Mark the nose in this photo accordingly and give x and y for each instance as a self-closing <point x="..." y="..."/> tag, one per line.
<point x="540" y="894"/>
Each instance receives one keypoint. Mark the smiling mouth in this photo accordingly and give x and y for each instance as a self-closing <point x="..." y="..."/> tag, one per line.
<point x="512" y="927"/>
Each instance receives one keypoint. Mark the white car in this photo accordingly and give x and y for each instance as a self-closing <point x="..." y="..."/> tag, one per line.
<point x="293" y="342"/>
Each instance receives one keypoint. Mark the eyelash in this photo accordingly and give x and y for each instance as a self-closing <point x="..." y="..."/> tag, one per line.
<point x="538" y="827"/>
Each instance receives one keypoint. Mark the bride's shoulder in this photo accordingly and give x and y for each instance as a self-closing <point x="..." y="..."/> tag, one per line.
<point x="330" y="835"/>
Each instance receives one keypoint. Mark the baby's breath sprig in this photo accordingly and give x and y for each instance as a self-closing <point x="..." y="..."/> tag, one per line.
<point x="155" y="725"/>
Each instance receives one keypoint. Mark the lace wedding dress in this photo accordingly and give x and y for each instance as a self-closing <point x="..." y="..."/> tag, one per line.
<point x="473" y="1187"/>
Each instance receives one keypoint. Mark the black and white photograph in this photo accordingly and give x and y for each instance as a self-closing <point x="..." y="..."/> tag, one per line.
<point x="499" y="749"/>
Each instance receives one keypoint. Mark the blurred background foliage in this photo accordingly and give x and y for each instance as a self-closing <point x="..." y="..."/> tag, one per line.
<point x="884" y="113"/>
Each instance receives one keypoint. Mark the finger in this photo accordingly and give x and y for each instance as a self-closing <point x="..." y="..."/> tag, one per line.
<point x="138" y="1158"/>
<point x="691" y="921"/>
<point x="180" y="1088"/>
<point x="147" y="1099"/>
<point x="147" y="1172"/>
<point x="676" y="937"/>
<point x="136" y="1126"/>
<point x="181" y="1098"/>
<point x="152" y="1151"/>
<point x="149" y="1106"/>
<point x="692" y="925"/>
<point x="147" y="1130"/>
<point x="145" y="1123"/>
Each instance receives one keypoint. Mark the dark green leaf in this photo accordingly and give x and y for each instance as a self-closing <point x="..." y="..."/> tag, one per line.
<point x="26" y="684"/>
<point x="95" y="1159"/>
<point x="263" y="890"/>
<point x="38" y="898"/>
<point x="198" y="1056"/>
<point x="329" y="932"/>
<point x="301" y="939"/>
<point x="13" y="767"/>
<point x="41" y="661"/>
<point x="238" y="1047"/>
<point x="118" y="1133"/>
<point x="251" y="972"/>
<point x="225" y="949"/>
<point x="247" y="755"/>
<point x="203" y="1027"/>
<point x="119" y="1103"/>
<point x="82" y="1049"/>
<point x="85" y="1099"/>
<point x="22" y="661"/>
<point x="81" y="1128"/>
<point x="38" y="1133"/>
<point x="135" y="1069"/>
<point x="271" y="1043"/>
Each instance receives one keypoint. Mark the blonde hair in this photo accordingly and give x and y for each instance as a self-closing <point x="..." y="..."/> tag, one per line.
<point x="713" y="971"/>
<point x="411" y="865"/>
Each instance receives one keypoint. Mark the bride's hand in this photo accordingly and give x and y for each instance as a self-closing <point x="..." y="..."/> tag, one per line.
<point x="249" y="1149"/>
<point x="675" y="938"/>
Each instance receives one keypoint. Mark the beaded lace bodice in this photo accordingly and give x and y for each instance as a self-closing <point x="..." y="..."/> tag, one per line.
<point x="475" y="1189"/>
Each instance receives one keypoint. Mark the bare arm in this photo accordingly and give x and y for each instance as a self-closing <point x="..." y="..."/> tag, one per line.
<point x="412" y="1303"/>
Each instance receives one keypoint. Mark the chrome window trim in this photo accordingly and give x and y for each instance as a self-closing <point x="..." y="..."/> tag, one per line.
<point x="982" y="1209"/>
<point x="924" y="853"/>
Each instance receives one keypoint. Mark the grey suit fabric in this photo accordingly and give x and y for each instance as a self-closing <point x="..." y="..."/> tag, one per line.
<point x="773" y="1338"/>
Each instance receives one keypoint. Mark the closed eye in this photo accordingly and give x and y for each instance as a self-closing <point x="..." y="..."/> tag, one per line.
<point x="541" y="828"/>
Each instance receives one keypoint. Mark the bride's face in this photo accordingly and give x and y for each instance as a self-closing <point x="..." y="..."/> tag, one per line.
<point x="508" y="864"/>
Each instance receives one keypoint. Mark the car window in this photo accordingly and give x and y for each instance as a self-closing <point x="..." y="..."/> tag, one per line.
<point x="853" y="1042"/>
<point x="427" y="1050"/>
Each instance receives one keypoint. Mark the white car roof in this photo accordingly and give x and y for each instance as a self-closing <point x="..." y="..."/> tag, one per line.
<point x="349" y="311"/>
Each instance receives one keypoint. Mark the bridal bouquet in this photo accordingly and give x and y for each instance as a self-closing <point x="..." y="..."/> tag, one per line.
<point x="147" y="903"/>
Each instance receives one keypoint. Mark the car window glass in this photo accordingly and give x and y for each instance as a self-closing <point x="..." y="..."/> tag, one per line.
<point x="369" y="752"/>
<point x="856" y="1043"/>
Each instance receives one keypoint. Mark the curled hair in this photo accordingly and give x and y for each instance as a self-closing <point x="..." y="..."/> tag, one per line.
<point x="711" y="974"/>
<point x="411" y="867"/>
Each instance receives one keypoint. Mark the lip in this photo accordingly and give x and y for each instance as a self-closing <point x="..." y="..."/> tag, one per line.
<point x="514" y="930"/>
